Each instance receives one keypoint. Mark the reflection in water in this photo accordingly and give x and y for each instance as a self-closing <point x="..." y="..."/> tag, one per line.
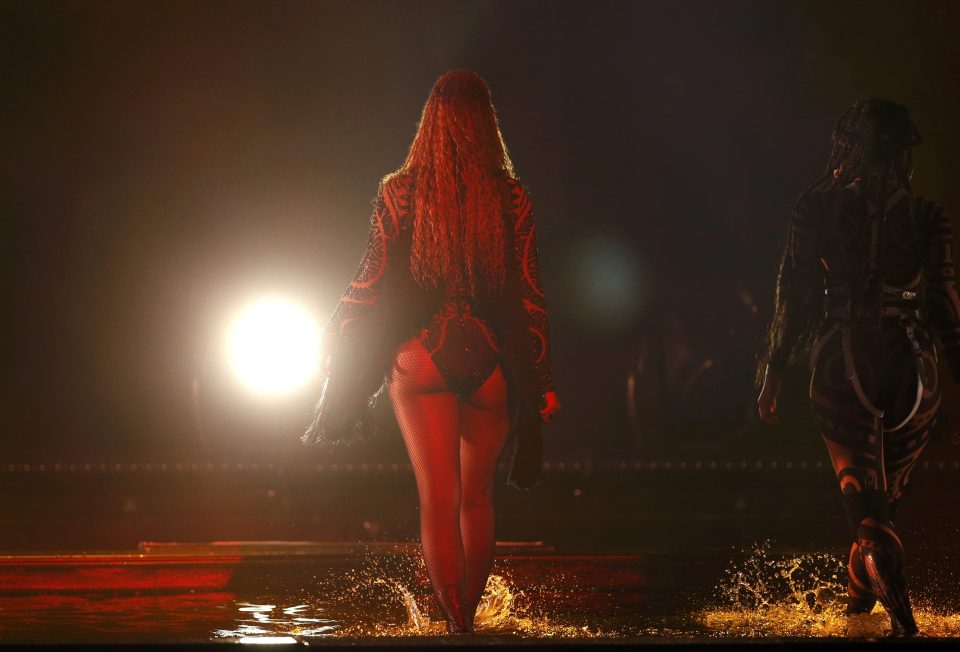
<point x="267" y="620"/>
<point x="67" y="617"/>
<point x="389" y="596"/>
<point x="803" y="595"/>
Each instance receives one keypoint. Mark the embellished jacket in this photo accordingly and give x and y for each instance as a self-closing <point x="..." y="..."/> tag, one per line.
<point x="384" y="306"/>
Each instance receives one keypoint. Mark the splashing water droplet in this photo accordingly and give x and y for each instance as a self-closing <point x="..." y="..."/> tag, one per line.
<point x="416" y="619"/>
<point x="382" y="585"/>
<point x="768" y="595"/>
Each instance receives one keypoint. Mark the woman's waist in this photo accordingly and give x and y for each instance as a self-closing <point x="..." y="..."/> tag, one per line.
<point x="882" y="301"/>
<point x="457" y="320"/>
<point x="878" y="333"/>
<point x="457" y="306"/>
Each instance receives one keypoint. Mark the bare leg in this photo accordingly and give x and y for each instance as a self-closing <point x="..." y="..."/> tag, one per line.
<point x="484" y="427"/>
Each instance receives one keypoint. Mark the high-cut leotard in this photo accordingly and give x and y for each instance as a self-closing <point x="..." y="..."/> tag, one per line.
<point x="461" y="345"/>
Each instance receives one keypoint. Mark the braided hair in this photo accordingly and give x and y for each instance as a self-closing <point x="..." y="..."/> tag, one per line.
<point x="873" y="136"/>
<point x="872" y="140"/>
<point x="458" y="159"/>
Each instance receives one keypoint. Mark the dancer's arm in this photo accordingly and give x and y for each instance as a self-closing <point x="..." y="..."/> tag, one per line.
<point x="801" y="278"/>
<point x="364" y="290"/>
<point x="525" y="242"/>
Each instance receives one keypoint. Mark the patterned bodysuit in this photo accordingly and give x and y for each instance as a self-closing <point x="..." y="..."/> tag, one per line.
<point x="462" y="345"/>
<point x="888" y="279"/>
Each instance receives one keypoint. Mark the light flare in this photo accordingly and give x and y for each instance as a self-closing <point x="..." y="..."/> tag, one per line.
<point x="274" y="346"/>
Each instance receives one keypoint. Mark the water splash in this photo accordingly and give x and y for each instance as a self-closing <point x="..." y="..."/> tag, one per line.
<point x="394" y="592"/>
<point x="768" y="595"/>
<point x="496" y="609"/>
<point x="765" y="595"/>
<point x="501" y="612"/>
<point x="506" y="610"/>
<point x="416" y="619"/>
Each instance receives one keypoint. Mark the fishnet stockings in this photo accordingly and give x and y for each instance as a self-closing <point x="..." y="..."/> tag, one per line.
<point x="453" y="443"/>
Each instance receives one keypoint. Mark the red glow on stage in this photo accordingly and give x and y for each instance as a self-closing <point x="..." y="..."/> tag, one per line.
<point x="114" y="572"/>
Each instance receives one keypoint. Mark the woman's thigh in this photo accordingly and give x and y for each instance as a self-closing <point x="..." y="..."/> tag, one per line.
<point x="429" y="418"/>
<point x="852" y="434"/>
<point x="483" y="431"/>
<point x="903" y="447"/>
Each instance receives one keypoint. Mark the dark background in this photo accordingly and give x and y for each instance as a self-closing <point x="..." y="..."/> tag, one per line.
<point x="163" y="162"/>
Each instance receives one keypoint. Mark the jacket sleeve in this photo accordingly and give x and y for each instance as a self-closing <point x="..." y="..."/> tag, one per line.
<point x="525" y="249"/>
<point x="800" y="285"/>
<point x="942" y="302"/>
<point x="363" y="292"/>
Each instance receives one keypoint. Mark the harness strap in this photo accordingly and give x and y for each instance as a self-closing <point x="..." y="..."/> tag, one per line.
<point x="907" y="318"/>
<point x="909" y="328"/>
<point x="852" y="376"/>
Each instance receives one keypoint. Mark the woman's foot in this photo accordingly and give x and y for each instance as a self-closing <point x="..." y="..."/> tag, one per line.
<point x="451" y="602"/>
<point x="902" y="623"/>
<point x="891" y="592"/>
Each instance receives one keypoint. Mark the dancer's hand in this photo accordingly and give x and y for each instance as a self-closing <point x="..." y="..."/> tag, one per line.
<point x="551" y="406"/>
<point x="767" y="401"/>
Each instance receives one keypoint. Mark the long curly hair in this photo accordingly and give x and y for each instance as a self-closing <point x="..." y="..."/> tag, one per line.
<point x="872" y="142"/>
<point x="458" y="160"/>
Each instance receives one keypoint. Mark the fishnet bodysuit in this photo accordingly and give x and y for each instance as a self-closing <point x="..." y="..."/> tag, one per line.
<point x="453" y="441"/>
<point x="450" y="398"/>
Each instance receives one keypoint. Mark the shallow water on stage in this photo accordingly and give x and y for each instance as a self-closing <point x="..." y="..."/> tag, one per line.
<point x="308" y="592"/>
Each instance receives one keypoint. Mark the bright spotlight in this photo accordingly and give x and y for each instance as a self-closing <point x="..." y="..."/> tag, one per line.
<point x="275" y="346"/>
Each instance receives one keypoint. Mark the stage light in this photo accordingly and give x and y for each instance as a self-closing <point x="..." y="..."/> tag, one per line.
<point x="274" y="346"/>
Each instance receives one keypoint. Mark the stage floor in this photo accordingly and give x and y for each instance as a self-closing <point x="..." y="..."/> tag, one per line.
<point x="316" y="594"/>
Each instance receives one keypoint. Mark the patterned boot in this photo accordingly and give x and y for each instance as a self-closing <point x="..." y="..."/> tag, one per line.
<point x="891" y="591"/>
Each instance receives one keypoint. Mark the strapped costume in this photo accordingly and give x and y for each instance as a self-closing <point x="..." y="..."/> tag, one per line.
<point x="885" y="274"/>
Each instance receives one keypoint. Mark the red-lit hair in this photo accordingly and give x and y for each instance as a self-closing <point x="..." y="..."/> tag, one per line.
<point x="458" y="160"/>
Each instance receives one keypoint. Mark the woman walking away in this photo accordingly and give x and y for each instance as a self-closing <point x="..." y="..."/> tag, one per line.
<point x="448" y="307"/>
<point x="866" y="285"/>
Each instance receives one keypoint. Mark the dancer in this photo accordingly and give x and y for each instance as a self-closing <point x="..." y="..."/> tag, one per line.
<point x="448" y="305"/>
<point x="865" y="284"/>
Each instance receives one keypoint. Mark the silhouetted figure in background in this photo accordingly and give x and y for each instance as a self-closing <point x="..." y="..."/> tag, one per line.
<point x="448" y="306"/>
<point x="865" y="285"/>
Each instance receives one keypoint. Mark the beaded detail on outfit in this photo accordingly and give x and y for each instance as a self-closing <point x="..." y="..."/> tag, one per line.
<point x="462" y="346"/>
<point x="461" y="342"/>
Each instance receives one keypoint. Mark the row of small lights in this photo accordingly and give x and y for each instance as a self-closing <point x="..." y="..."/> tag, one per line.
<point x="396" y="468"/>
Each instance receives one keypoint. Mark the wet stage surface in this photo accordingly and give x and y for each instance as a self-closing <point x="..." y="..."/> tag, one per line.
<point x="645" y="552"/>
<point x="336" y="593"/>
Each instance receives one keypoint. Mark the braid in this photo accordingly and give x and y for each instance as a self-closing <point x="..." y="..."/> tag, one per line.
<point x="874" y="136"/>
<point x="458" y="159"/>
